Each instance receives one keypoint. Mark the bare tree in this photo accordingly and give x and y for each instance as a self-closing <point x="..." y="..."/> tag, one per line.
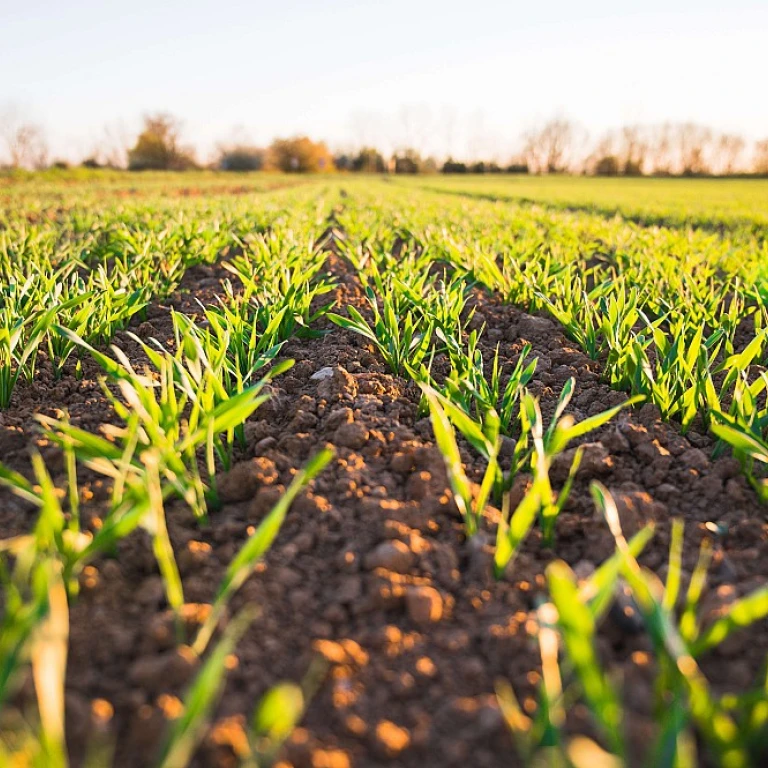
<point x="24" y="140"/>
<point x="604" y="160"/>
<point x="634" y="150"/>
<point x="761" y="157"/>
<point x="693" y="144"/>
<point x="729" y="149"/>
<point x="548" y="149"/>
<point x="660" y="149"/>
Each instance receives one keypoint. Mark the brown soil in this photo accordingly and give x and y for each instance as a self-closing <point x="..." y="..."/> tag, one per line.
<point x="371" y="569"/>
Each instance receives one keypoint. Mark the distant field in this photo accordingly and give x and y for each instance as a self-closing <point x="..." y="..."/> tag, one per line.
<point x="716" y="203"/>
<point x="79" y="183"/>
<point x="697" y="201"/>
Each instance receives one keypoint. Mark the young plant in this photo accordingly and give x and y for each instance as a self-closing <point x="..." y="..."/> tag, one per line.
<point x="22" y="330"/>
<point x="467" y="384"/>
<point x="541" y="499"/>
<point x="684" y="691"/>
<point x="188" y="409"/>
<point x="402" y="340"/>
<point x="569" y="618"/>
<point x="470" y="508"/>
<point x="751" y="449"/>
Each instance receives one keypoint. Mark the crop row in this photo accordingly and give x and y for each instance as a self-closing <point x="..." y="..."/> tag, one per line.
<point x="677" y="317"/>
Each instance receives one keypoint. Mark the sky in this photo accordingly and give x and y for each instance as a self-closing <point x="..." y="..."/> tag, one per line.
<point x="463" y="78"/>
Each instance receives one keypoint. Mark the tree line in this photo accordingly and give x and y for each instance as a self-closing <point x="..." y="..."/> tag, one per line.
<point x="558" y="146"/>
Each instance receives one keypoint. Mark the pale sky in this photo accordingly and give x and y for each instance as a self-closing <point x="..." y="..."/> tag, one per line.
<point x="465" y="78"/>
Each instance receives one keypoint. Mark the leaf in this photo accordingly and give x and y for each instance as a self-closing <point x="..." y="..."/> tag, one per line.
<point x="278" y="714"/>
<point x="48" y="655"/>
<point x="591" y="423"/>
<point x="446" y="442"/>
<point x="743" y="613"/>
<point x="510" y="536"/>
<point x="578" y="628"/>
<point x="599" y="589"/>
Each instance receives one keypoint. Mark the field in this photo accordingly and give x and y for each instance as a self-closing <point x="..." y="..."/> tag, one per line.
<point x="710" y="204"/>
<point x="340" y="471"/>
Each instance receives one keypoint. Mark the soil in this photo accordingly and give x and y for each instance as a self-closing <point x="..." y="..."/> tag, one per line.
<point x="371" y="570"/>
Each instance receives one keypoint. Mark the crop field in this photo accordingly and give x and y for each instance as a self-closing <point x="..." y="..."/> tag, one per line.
<point x="710" y="204"/>
<point x="339" y="472"/>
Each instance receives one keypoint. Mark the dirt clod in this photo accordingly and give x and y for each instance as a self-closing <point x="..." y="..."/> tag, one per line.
<point x="424" y="604"/>
<point x="352" y="435"/>
<point x="391" y="555"/>
<point x="391" y="739"/>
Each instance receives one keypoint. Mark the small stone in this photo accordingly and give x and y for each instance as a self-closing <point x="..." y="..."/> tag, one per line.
<point x="334" y="614"/>
<point x="146" y="330"/>
<point x="507" y="447"/>
<point x="288" y="577"/>
<point x="393" y="555"/>
<point x="299" y="599"/>
<point x="489" y="719"/>
<point x="666" y="491"/>
<point x="332" y="651"/>
<point x="426" y="667"/>
<point x="257" y="431"/>
<point x="636" y="434"/>
<point x="330" y="758"/>
<point x="304" y="542"/>
<point x="735" y="488"/>
<point x="151" y="592"/>
<point x="424" y="604"/>
<point x="265" y="445"/>
<point x="615" y="441"/>
<point x="353" y="436"/>
<point x="323" y="373"/>
<point x="595" y="460"/>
